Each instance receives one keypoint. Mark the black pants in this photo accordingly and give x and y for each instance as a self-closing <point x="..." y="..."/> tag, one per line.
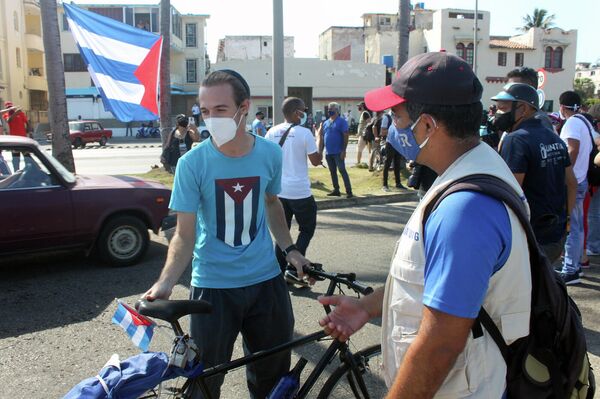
<point x="392" y="156"/>
<point x="197" y="119"/>
<point x="263" y="314"/>
<point x="305" y="211"/>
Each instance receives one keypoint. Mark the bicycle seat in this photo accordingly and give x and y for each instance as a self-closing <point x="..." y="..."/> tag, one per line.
<point x="171" y="311"/>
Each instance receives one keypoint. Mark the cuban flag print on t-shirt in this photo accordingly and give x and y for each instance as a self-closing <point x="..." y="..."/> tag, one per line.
<point x="237" y="209"/>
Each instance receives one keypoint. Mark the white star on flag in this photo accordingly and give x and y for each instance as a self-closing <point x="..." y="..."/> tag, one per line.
<point x="237" y="187"/>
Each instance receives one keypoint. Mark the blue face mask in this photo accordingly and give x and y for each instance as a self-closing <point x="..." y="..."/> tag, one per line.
<point x="303" y="119"/>
<point x="403" y="140"/>
<point x="331" y="113"/>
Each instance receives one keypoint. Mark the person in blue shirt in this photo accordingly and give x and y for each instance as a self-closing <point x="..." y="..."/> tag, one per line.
<point x="225" y="195"/>
<point x="334" y="135"/>
<point x="258" y="125"/>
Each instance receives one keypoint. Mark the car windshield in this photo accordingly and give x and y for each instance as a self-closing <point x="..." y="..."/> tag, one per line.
<point x="75" y="126"/>
<point x="68" y="176"/>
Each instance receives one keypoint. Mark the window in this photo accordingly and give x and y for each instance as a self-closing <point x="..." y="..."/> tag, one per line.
<point x="502" y="58"/>
<point x="519" y="58"/>
<point x="592" y="73"/>
<point x="176" y="23"/>
<point x="65" y="22"/>
<point x="142" y="21"/>
<point x="190" y="35"/>
<point x="115" y="13"/>
<point x="74" y="63"/>
<point x="462" y="15"/>
<point x="16" y="21"/>
<point x="469" y="54"/>
<point x="32" y="173"/>
<point x="18" y="54"/>
<point x="460" y="50"/>
<point x="154" y="20"/>
<point x="385" y="21"/>
<point x="191" y="71"/>
<point x="553" y="58"/>
<point x="557" y="58"/>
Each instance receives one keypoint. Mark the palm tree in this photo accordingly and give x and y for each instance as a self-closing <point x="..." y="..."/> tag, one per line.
<point x="403" y="31"/>
<point x="59" y="122"/>
<point x="165" y="70"/>
<point x="539" y="19"/>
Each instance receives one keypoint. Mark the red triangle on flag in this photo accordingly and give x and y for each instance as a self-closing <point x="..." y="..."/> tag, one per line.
<point x="148" y="75"/>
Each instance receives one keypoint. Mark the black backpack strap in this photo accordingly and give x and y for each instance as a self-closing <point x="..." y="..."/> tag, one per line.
<point x="284" y="137"/>
<point x="500" y="190"/>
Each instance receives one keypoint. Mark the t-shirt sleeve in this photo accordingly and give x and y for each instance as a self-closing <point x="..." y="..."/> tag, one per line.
<point x="467" y="239"/>
<point x="572" y="129"/>
<point x="385" y="122"/>
<point x="186" y="188"/>
<point x="274" y="185"/>
<point x="515" y="153"/>
<point x="309" y="143"/>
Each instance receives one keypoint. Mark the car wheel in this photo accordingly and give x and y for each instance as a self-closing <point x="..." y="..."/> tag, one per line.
<point x="78" y="143"/>
<point x="103" y="141"/>
<point x="123" y="241"/>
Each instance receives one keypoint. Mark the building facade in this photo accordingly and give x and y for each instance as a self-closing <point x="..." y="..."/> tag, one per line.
<point x="22" y="62"/>
<point x="317" y="82"/>
<point x="452" y="30"/>
<point x="592" y="72"/>
<point x="189" y="59"/>
<point x="251" y="48"/>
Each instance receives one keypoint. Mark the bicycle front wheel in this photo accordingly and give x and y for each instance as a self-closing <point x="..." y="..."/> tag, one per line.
<point x="343" y="383"/>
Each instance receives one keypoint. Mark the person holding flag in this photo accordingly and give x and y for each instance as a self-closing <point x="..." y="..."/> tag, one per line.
<point x="225" y="195"/>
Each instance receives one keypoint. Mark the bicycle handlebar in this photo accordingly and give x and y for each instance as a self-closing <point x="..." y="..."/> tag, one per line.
<point x="315" y="270"/>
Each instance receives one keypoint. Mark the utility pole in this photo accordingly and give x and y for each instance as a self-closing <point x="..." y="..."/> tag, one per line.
<point x="475" y="37"/>
<point x="55" y="72"/>
<point x="403" y="32"/>
<point x="278" y="60"/>
<point x="165" y="70"/>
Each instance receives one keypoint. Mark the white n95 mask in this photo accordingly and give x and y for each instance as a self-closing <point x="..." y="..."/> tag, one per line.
<point x="222" y="129"/>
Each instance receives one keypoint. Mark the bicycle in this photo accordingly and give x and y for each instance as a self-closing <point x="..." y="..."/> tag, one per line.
<point x="378" y="155"/>
<point x="354" y="377"/>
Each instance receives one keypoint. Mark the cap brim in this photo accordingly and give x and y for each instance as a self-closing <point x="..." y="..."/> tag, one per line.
<point x="382" y="98"/>
<point x="503" y="96"/>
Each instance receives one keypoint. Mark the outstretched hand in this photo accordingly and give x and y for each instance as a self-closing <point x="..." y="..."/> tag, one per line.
<point x="348" y="316"/>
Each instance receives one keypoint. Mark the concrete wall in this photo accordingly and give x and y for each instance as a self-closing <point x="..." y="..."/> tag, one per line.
<point x="252" y="48"/>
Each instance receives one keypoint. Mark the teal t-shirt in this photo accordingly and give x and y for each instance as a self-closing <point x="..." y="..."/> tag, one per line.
<point x="233" y="243"/>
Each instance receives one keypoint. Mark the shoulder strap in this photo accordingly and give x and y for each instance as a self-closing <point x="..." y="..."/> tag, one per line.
<point x="587" y="125"/>
<point x="500" y="190"/>
<point x="284" y="137"/>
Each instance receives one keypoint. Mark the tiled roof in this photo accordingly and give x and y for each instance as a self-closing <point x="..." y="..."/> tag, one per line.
<point x="509" y="44"/>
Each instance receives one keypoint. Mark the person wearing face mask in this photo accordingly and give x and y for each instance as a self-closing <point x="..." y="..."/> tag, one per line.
<point x="225" y="196"/>
<point x="576" y="133"/>
<point x="179" y="142"/>
<point x="298" y="144"/>
<point x="471" y="250"/>
<point x="333" y="135"/>
<point x="540" y="162"/>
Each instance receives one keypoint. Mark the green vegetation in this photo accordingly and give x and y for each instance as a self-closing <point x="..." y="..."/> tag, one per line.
<point x="364" y="183"/>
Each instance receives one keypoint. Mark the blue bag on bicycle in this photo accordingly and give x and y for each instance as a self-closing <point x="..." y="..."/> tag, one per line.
<point x="131" y="377"/>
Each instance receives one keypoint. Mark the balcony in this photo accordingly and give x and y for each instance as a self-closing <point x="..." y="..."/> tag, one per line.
<point x="34" y="42"/>
<point x="36" y="80"/>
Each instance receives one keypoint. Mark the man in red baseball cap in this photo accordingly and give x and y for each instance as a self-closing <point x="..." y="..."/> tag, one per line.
<point x="464" y="256"/>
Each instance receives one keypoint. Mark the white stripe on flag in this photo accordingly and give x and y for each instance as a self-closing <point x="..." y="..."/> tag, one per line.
<point x="138" y="336"/>
<point x="117" y="89"/>
<point x="229" y="220"/>
<point x="247" y="218"/>
<point x="127" y="321"/>
<point x="107" y="47"/>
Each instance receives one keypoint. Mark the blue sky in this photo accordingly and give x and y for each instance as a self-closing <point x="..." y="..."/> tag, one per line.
<point x="306" y="19"/>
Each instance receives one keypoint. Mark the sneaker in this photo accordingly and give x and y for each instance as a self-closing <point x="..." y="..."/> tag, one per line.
<point x="386" y="189"/>
<point x="334" y="193"/>
<point x="570" y="279"/>
<point x="349" y="195"/>
<point x="580" y="272"/>
<point x="400" y="186"/>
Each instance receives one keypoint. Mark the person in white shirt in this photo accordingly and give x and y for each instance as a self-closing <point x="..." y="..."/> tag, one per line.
<point x="196" y="113"/>
<point x="576" y="135"/>
<point x="295" y="195"/>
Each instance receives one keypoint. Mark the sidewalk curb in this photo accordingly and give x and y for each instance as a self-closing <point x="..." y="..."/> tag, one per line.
<point x="364" y="201"/>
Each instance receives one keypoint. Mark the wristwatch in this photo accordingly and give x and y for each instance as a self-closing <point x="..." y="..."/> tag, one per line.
<point x="289" y="249"/>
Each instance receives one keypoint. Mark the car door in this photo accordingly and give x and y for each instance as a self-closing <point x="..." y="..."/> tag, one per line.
<point x="88" y="133"/>
<point x="36" y="207"/>
<point x="97" y="132"/>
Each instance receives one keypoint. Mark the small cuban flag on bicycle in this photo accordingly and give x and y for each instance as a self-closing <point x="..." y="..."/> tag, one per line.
<point x="138" y="327"/>
<point x="123" y="61"/>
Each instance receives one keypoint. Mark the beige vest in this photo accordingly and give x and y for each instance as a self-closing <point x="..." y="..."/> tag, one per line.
<point x="479" y="371"/>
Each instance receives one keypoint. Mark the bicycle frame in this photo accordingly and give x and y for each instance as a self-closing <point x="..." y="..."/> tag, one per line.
<point x="335" y="347"/>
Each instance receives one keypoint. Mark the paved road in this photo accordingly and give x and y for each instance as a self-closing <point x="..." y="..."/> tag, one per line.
<point x="55" y="312"/>
<point x="132" y="158"/>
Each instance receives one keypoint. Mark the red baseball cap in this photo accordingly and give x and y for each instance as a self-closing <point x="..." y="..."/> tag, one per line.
<point x="8" y="104"/>
<point x="432" y="78"/>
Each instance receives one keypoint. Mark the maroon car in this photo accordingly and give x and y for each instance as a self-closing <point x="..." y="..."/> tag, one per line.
<point x="83" y="132"/>
<point x="45" y="207"/>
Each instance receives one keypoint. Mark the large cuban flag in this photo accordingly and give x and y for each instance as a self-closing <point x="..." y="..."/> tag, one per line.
<point x="123" y="62"/>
